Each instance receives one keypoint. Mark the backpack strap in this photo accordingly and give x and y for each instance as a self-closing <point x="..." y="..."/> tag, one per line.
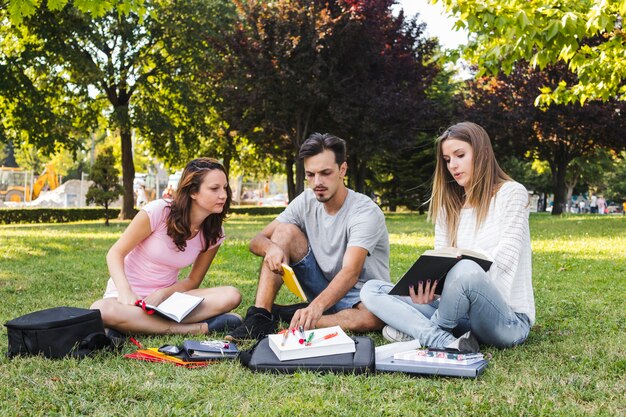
<point x="91" y="343"/>
<point x="245" y="356"/>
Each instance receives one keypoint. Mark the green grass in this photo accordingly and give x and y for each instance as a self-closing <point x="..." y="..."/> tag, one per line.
<point x="574" y="362"/>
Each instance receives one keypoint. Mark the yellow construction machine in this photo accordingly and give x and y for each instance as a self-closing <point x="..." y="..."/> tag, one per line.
<point x="15" y="185"/>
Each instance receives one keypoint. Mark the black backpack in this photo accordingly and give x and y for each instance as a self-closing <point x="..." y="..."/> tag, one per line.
<point x="57" y="332"/>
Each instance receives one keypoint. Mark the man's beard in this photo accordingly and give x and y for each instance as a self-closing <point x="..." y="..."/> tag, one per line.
<point x="324" y="198"/>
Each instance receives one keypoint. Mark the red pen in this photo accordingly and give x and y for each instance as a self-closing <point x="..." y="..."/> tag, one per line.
<point x="328" y="336"/>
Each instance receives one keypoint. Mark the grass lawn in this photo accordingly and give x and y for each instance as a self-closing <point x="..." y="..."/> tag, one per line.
<point x="574" y="362"/>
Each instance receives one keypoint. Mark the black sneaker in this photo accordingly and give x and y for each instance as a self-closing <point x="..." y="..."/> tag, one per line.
<point x="117" y="338"/>
<point x="286" y="312"/>
<point x="224" y="322"/>
<point x="258" y="323"/>
<point x="465" y="344"/>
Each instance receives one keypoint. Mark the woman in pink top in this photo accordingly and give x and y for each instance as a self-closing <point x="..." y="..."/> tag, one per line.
<point x="163" y="238"/>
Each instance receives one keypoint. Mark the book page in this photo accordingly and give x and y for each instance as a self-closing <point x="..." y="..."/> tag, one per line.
<point x="450" y="252"/>
<point x="178" y="305"/>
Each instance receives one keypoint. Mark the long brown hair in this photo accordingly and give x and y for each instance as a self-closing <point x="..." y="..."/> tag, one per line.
<point x="179" y="219"/>
<point x="448" y="197"/>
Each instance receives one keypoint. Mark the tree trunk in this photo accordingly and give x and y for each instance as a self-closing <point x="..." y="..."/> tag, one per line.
<point x="299" y="177"/>
<point x="9" y="160"/>
<point x="559" y="171"/>
<point x="291" y="186"/>
<point x="360" y="179"/>
<point x="106" y="214"/>
<point x="128" y="166"/>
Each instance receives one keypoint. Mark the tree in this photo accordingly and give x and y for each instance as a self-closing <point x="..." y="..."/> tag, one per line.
<point x="20" y="9"/>
<point x="119" y="54"/>
<point x="106" y="187"/>
<point x="349" y="67"/>
<point x="559" y="134"/>
<point x="39" y="106"/>
<point x="615" y="179"/>
<point x="588" y="36"/>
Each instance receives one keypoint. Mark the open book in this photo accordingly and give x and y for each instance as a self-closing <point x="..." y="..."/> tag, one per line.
<point x="434" y="265"/>
<point x="177" y="306"/>
<point x="321" y="342"/>
<point x="291" y="282"/>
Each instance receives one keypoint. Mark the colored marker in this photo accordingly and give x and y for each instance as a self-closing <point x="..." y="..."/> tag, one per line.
<point x="285" y="336"/>
<point x="309" y="339"/>
<point x="328" y="336"/>
<point x="302" y="335"/>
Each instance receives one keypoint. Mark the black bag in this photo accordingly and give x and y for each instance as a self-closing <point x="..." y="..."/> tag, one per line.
<point x="261" y="358"/>
<point x="57" y="332"/>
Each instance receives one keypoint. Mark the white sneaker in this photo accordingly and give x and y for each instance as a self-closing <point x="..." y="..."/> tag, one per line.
<point x="394" y="335"/>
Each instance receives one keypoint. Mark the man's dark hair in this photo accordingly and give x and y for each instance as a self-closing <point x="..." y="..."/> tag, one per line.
<point x="318" y="143"/>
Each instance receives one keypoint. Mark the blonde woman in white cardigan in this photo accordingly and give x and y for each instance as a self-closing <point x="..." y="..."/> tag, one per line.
<point x="476" y="206"/>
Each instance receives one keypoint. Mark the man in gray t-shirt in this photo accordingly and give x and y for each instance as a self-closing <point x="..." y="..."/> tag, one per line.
<point x="334" y="239"/>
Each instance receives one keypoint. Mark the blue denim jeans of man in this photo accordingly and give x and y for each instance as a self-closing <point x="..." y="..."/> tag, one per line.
<point x="468" y="302"/>
<point x="313" y="282"/>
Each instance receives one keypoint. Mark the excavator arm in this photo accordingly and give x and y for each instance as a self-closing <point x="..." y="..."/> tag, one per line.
<point x="47" y="176"/>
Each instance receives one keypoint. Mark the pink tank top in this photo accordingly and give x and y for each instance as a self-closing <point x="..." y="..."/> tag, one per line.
<point x="156" y="261"/>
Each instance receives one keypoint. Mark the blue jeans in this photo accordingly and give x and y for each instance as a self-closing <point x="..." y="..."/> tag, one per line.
<point x="313" y="282"/>
<point x="468" y="302"/>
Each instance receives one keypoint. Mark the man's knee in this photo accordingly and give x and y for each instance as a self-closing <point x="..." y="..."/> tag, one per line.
<point x="292" y="240"/>
<point x="362" y="320"/>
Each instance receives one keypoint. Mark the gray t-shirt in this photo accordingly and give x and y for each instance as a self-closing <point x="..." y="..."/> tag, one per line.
<point x="359" y="222"/>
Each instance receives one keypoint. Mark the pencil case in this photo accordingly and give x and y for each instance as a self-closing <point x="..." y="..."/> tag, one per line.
<point x="261" y="358"/>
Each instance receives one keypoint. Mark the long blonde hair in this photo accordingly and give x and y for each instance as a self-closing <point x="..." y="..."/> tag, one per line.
<point x="448" y="197"/>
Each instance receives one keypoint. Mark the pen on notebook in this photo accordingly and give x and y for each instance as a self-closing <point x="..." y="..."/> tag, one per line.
<point x="285" y="336"/>
<point x="309" y="339"/>
<point x="302" y="335"/>
<point x="326" y="337"/>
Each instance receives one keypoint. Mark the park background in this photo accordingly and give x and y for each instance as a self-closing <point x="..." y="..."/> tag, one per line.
<point x="134" y="86"/>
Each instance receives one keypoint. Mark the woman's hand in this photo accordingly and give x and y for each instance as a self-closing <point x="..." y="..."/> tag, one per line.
<point x="157" y="297"/>
<point x="127" y="297"/>
<point x="425" y="292"/>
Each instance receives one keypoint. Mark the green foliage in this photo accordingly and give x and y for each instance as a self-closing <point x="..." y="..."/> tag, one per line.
<point x="53" y="215"/>
<point x="535" y="175"/>
<point x="588" y="36"/>
<point x="65" y="215"/>
<point x="20" y="9"/>
<point x="615" y="179"/>
<point x="106" y="187"/>
<point x="354" y="69"/>
<point x="572" y="364"/>
<point x="564" y="135"/>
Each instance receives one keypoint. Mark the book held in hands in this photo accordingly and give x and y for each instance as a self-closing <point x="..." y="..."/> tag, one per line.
<point x="291" y="282"/>
<point x="434" y="265"/>
<point x="177" y="306"/>
<point x="322" y="342"/>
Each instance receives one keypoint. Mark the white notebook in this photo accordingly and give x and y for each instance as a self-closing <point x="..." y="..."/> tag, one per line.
<point x="177" y="306"/>
<point x="324" y="342"/>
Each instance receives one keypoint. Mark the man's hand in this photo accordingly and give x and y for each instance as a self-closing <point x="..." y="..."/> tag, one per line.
<point x="306" y="317"/>
<point x="274" y="256"/>
<point x="425" y="292"/>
